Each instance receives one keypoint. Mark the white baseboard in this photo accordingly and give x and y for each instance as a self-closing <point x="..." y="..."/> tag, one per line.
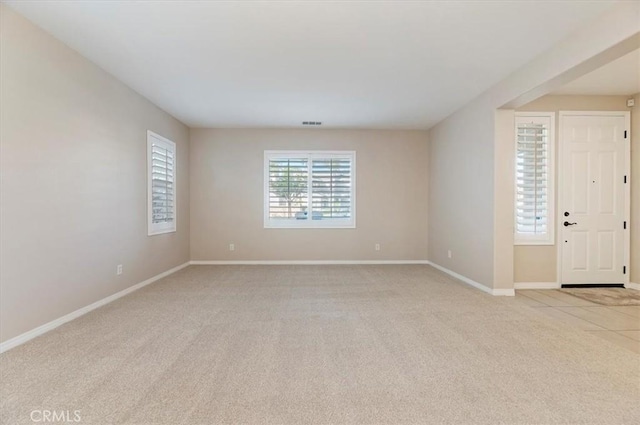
<point x="504" y="292"/>
<point x="29" y="335"/>
<point x="478" y="285"/>
<point x="536" y="285"/>
<point x="300" y="262"/>
<point x="632" y="285"/>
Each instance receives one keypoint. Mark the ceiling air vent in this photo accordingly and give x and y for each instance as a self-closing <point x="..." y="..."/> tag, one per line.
<point x="311" y="123"/>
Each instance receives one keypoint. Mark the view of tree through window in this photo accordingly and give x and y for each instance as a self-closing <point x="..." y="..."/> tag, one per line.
<point x="288" y="187"/>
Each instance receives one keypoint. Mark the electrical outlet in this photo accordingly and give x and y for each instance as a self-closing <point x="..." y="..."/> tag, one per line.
<point x="232" y="247"/>
<point x="449" y="254"/>
<point x="377" y="247"/>
<point x="119" y="269"/>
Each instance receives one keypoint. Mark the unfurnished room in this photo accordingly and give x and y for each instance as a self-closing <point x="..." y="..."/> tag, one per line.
<point x="319" y="212"/>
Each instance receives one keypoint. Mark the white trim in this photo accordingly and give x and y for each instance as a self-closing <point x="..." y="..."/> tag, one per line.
<point x="536" y="285"/>
<point x="505" y="292"/>
<point x="161" y="228"/>
<point x="549" y="237"/>
<point x="632" y="285"/>
<point x="29" y="335"/>
<point x="495" y="292"/>
<point x="627" y="201"/>
<point x="299" y="262"/>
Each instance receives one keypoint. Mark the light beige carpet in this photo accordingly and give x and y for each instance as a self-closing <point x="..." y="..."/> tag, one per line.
<point x="320" y="345"/>
<point x="606" y="296"/>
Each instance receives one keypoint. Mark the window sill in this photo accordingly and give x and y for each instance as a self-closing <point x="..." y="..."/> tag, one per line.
<point x="160" y="232"/>
<point x="307" y="225"/>
<point x="534" y="243"/>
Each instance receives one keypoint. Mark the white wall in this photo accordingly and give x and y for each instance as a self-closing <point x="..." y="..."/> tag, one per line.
<point x="227" y="196"/>
<point x="73" y="188"/>
<point x="464" y="208"/>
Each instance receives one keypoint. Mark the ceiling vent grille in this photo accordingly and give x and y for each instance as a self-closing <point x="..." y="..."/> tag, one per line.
<point x="311" y="123"/>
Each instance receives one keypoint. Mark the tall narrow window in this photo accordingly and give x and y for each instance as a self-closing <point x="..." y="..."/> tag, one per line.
<point x="309" y="189"/>
<point x="534" y="220"/>
<point x="161" y="198"/>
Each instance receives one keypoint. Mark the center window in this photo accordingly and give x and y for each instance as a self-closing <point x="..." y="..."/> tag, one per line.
<point x="309" y="189"/>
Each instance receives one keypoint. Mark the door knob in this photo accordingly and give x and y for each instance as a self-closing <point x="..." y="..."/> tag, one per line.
<point x="566" y="213"/>
<point x="566" y="224"/>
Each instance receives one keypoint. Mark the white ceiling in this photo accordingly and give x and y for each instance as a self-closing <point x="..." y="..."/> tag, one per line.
<point x="619" y="77"/>
<point x="274" y="64"/>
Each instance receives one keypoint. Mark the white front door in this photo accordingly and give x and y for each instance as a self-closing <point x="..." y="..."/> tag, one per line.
<point x="593" y="197"/>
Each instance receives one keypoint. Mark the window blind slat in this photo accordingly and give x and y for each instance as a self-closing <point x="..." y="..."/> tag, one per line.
<point x="531" y="178"/>
<point x="331" y="188"/>
<point x="162" y="173"/>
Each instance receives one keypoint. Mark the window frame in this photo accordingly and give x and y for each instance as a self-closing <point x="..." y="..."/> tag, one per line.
<point x="309" y="224"/>
<point x="548" y="238"/>
<point x="160" y="228"/>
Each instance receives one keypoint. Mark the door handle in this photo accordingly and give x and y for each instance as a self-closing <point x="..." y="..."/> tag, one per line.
<point x="566" y="224"/>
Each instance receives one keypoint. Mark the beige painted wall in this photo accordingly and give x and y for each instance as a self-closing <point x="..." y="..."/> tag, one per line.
<point x="539" y="263"/>
<point x="227" y="196"/>
<point x="504" y="184"/>
<point x="73" y="189"/>
<point x="461" y="194"/>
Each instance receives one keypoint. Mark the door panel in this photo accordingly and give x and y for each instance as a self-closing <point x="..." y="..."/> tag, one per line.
<point x="579" y="201"/>
<point x="580" y="254"/>
<point x="607" y="170"/>
<point x="593" y="193"/>
<point x="606" y="250"/>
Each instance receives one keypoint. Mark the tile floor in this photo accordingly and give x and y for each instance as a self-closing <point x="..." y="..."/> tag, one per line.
<point x="618" y="324"/>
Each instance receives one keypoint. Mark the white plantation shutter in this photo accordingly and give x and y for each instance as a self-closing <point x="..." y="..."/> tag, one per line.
<point x="331" y="188"/>
<point x="162" y="189"/>
<point x="534" y="179"/>
<point x="162" y="184"/>
<point x="288" y="188"/>
<point x="309" y="189"/>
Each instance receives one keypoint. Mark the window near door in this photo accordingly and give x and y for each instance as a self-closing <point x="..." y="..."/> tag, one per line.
<point x="161" y="197"/>
<point x="534" y="211"/>
<point x="309" y="189"/>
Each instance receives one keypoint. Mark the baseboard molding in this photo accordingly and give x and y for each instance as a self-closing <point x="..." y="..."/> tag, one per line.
<point x="478" y="285"/>
<point x="299" y="262"/>
<point x="503" y="292"/>
<point x="29" y="335"/>
<point x="632" y="285"/>
<point x="536" y="285"/>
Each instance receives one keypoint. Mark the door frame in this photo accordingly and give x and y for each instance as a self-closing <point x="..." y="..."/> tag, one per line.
<point x="627" y="188"/>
